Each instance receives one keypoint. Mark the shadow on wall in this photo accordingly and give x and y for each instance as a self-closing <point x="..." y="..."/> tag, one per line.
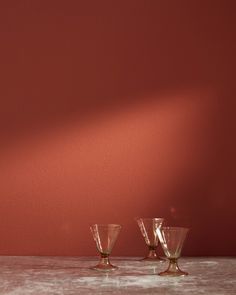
<point x="106" y="118"/>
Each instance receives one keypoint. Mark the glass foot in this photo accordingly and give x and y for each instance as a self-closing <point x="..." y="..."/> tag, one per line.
<point x="173" y="274"/>
<point x="173" y="269"/>
<point x="104" y="264"/>
<point x="152" y="255"/>
<point x="105" y="267"/>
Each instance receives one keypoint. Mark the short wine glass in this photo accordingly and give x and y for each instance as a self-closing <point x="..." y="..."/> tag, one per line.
<point x="105" y="236"/>
<point x="148" y="227"/>
<point x="172" y="240"/>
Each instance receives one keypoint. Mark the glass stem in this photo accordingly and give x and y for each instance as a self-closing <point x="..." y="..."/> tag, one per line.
<point x="104" y="259"/>
<point x="152" y="252"/>
<point x="173" y="265"/>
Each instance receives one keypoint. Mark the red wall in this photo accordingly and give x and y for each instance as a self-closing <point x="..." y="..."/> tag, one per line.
<point x="112" y="110"/>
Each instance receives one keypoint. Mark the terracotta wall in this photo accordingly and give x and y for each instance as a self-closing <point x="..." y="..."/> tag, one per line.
<point x="112" y="110"/>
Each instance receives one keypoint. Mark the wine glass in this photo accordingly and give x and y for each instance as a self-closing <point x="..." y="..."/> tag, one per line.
<point x="105" y="236"/>
<point x="148" y="227"/>
<point x="172" y="240"/>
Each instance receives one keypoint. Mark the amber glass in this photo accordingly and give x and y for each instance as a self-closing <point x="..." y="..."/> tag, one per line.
<point x="172" y="240"/>
<point x="105" y="236"/>
<point x="148" y="228"/>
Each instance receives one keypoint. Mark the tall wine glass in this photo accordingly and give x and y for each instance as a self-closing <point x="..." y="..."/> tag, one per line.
<point x="172" y="240"/>
<point x="105" y="236"/>
<point x="148" y="227"/>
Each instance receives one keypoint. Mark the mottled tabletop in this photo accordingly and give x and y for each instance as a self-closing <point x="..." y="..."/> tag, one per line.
<point x="72" y="275"/>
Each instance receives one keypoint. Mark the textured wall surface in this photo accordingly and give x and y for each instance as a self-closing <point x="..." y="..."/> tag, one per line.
<point x="110" y="111"/>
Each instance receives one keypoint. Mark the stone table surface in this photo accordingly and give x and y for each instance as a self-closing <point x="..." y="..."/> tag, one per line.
<point x="72" y="275"/>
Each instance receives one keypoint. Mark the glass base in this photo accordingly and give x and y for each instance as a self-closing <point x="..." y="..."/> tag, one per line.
<point x="106" y="267"/>
<point x="152" y="255"/>
<point x="173" y="269"/>
<point x="173" y="274"/>
<point x="104" y="264"/>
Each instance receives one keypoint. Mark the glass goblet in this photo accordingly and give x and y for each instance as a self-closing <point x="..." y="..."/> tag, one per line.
<point x="148" y="227"/>
<point x="172" y="240"/>
<point x="105" y="236"/>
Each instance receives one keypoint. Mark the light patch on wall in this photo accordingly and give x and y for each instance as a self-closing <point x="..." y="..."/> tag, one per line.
<point x="108" y="168"/>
